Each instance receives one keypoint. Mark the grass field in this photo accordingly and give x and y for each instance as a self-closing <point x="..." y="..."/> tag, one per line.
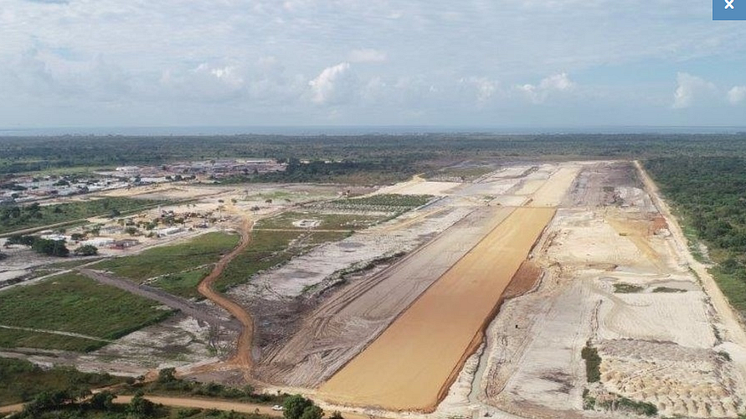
<point x="72" y="303"/>
<point x="21" y="380"/>
<point x="10" y="338"/>
<point x="328" y="221"/>
<point x="183" y="284"/>
<point x="389" y="200"/>
<point x="174" y="259"/>
<point x="32" y="216"/>
<point x="62" y="266"/>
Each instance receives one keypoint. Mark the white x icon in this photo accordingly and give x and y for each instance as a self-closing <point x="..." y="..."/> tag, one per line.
<point x="729" y="4"/>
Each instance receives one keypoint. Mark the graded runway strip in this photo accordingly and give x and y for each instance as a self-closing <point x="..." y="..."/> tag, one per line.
<point x="412" y="364"/>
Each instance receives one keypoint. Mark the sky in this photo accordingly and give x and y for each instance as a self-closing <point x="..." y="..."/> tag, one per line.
<point x="497" y="63"/>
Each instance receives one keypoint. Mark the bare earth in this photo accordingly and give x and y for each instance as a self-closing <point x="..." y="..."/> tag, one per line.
<point x="409" y="365"/>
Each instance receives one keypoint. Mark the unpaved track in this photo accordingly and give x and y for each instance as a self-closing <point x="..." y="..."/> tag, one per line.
<point x="412" y="364"/>
<point x="242" y="357"/>
<point x="735" y="329"/>
<point x="185" y="306"/>
<point x="222" y="405"/>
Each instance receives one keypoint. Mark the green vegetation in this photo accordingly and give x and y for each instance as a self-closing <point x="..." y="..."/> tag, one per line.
<point x="328" y="221"/>
<point x="299" y="407"/>
<point x="589" y="402"/>
<point x="14" y="217"/>
<point x="73" y="403"/>
<point x="183" y="284"/>
<point x="168" y="384"/>
<point x="386" y="200"/>
<point x="50" y="247"/>
<point x="21" y="381"/>
<point x="14" y="338"/>
<point x="61" y="266"/>
<point x="72" y="303"/>
<point x="202" y="250"/>
<point x="351" y="159"/>
<point x="86" y="250"/>
<point x="267" y="249"/>
<point x="624" y="288"/>
<point x="709" y="194"/>
<point x="42" y="246"/>
<point x="629" y="405"/>
<point x="592" y="363"/>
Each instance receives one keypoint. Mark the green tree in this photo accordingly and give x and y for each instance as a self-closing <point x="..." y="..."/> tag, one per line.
<point x="312" y="412"/>
<point x="86" y="250"/>
<point x="77" y="236"/>
<point x="102" y="401"/>
<point x="50" y="247"/>
<point x="140" y="406"/>
<point x="299" y="407"/>
<point x="294" y="406"/>
<point x="167" y="375"/>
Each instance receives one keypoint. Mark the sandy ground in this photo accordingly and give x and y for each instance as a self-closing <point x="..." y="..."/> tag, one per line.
<point x="419" y="186"/>
<point x="311" y="269"/>
<point x="407" y="367"/>
<point x="657" y="347"/>
<point x="551" y="193"/>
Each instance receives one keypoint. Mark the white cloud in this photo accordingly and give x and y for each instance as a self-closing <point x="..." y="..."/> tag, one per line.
<point x="367" y="56"/>
<point x="736" y="95"/>
<point x="323" y="87"/>
<point x="540" y="93"/>
<point x="483" y="88"/>
<point x="206" y="82"/>
<point x="689" y="89"/>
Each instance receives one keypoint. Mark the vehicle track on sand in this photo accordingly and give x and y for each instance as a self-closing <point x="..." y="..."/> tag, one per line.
<point x="242" y="357"/>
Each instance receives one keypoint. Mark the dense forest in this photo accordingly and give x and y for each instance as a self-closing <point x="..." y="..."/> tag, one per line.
<point x="709" y="194"/>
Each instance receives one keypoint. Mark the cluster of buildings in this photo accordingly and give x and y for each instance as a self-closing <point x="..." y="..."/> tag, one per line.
<point x="99" y="242"/>
<point x="30" y="189"/>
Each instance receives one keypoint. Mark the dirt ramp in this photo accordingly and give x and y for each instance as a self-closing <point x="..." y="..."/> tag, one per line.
<point x="411" y="365"/>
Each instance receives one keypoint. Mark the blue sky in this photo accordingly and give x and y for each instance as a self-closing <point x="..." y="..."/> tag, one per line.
<point x="360" y="62"/>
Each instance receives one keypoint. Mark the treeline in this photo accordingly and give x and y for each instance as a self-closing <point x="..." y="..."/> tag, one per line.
<point x="398" y="152"/>
<point x="710" y="195"/>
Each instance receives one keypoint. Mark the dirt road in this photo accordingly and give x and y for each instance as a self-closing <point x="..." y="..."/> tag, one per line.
<point x="412" y="364"/>
<point x="187" y="307"/>
<point x="242" y="356"/>
<point x="222" y="405"/>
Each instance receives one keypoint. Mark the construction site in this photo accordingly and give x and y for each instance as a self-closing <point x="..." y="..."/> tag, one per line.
<point x="543" y="290"/>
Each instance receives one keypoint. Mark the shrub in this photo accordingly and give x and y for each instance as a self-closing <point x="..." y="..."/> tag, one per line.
<point x="86" y="250"/>
<point x="592" y="364"/>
